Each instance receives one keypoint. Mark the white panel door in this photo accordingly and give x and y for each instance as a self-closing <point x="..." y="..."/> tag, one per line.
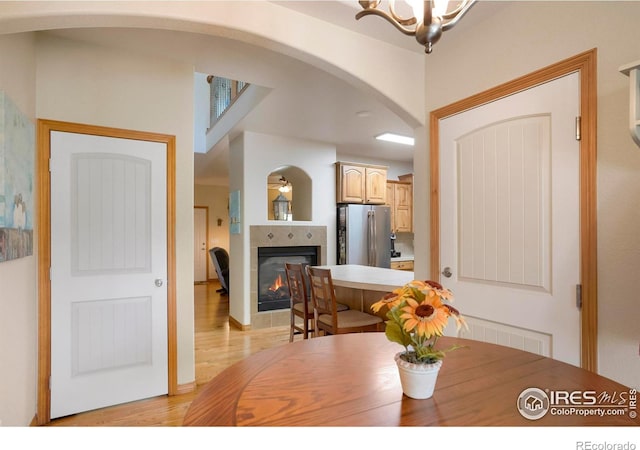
<point x="200" y="251"/>
<point x="108" y="271"/>
<point x="509" y="222"/>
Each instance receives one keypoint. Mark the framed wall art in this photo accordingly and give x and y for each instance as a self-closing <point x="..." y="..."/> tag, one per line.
<point x="17" y="153"/>
<point x="234" y="212"/>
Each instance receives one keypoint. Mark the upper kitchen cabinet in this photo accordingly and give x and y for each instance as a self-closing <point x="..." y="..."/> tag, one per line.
<point x="400" y="200"/>
<point x="361" y="183"/>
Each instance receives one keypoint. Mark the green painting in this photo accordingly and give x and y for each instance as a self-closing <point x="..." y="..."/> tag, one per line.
<point x="17" y="150"/>
<point x="234" y="212"/>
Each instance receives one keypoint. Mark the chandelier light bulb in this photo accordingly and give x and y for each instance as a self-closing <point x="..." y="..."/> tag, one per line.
<point x="430" y="18"/>
<point x="418" y="8"/>
<point x="440" y="8"/>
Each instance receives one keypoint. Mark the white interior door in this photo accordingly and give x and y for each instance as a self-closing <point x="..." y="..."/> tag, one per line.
<point x="200" y="251"/>
<point x="509" y="220"/>
<point x="108" y="271"/>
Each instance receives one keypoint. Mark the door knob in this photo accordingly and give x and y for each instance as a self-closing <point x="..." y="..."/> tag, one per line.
<point x="447" y="272"/>
<point x="159" y="282"/>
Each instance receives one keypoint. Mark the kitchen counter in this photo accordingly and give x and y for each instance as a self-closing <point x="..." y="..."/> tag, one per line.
<point x="368" y="278"/>
<point x="402" y="258"/>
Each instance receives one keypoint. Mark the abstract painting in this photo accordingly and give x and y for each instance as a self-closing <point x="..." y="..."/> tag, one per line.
<point x="234" y="212"/>
<point x="17" y="153"/>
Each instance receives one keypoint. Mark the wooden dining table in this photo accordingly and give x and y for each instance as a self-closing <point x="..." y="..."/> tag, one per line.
<point x="352" y="380"/>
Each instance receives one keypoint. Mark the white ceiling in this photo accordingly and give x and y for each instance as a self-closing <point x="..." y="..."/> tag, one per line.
<point x="304" y="102"/>
<point x="343" y="13"/>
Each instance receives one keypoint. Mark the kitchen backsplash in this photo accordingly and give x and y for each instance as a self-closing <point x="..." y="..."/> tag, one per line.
<point x="404" y="243"/>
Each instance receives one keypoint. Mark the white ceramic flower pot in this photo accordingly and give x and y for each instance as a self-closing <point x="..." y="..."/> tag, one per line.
<point x="418" y="380"/>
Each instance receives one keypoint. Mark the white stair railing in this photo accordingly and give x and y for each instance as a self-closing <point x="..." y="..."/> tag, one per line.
<point x="224" y="93"/>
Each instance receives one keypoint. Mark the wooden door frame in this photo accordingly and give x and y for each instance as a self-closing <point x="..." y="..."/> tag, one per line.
<point x="206" y="232"/>
<point x="585" y="64"/>
<point x="45" y="127"/>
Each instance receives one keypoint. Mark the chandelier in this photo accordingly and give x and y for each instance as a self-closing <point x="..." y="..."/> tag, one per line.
<point x="285" y="185"/>
<point x="430" y="18"/>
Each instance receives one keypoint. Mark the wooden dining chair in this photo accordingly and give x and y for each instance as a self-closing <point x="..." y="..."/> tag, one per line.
<point x="326" y="314"/>
<point x="301" y="305"/>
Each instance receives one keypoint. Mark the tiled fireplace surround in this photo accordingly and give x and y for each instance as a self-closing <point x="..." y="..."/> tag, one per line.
<point x="279" y="236"/>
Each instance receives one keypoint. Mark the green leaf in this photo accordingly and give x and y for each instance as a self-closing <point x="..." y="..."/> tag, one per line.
<point x="395" y="333"/>
<point x="418" y="295"/>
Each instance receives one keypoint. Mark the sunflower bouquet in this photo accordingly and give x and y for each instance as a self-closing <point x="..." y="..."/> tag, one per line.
<point x="418" y="313"/>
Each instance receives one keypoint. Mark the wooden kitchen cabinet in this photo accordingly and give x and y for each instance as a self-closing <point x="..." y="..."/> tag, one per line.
<point x="402" y="265"/>
<point x="400" y="200"/>
<point x="376" y="185"/>
<point x="361" y="183"/>
<point x="389" y="202"/>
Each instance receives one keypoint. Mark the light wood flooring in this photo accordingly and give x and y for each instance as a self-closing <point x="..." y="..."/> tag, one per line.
<point x="217" y="346"/>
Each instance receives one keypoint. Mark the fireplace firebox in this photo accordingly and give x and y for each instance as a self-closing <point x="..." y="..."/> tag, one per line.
<point x="273" y="292"/>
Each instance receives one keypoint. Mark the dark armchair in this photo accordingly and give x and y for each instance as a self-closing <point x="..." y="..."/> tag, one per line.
<point x="220" y="259"/>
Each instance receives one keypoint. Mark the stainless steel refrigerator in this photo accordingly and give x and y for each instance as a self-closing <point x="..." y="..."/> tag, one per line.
<point x="364" y="235"/>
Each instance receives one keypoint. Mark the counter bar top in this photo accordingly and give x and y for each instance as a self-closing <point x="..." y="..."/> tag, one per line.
<point x="402" y="258"/>
<point x="368" y="278"/>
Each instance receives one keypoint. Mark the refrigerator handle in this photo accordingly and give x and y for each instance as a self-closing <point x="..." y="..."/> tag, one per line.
<point x="372" y="257"/>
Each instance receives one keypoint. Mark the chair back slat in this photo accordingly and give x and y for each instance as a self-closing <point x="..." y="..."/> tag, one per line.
<point x="297" y="283"/>
<point x="323" y="294"/>
<point x="296" y="276"/>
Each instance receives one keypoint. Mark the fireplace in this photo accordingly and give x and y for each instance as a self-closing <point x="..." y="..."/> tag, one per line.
<point x="273" y="292"/>
<point x="290" y="235"/>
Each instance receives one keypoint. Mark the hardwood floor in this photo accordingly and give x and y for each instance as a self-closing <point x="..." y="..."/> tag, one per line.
<point x="217" y="346"/>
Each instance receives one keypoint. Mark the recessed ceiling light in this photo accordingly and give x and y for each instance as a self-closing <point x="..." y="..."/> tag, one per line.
<point x="397" y="138"/>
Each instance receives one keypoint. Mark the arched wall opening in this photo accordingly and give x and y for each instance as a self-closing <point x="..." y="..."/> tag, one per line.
<point x="296" y="187"/>
<point x="263" y="24"/>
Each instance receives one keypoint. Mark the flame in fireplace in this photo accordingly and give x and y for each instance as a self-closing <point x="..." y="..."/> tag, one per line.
<point x="277" y="284"/>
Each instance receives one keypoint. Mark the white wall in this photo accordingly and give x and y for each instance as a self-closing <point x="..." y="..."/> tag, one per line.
<point x="18" y="294"/>
<point x="260" y="23"/>
<point x="239" y="294"/>
<point x="201" y="111"/>
<point x="511" y="43"/>
<point x="84" y="83"/>
<point x="256" y="156"/>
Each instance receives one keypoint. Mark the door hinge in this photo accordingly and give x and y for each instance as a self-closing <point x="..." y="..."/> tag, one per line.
<point x="579" y="296"/>
<point x="578" y="128"/>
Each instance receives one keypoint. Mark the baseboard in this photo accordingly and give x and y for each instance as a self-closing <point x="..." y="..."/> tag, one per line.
<point x="238" y="325"/>
<point x="186" y="388"/>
